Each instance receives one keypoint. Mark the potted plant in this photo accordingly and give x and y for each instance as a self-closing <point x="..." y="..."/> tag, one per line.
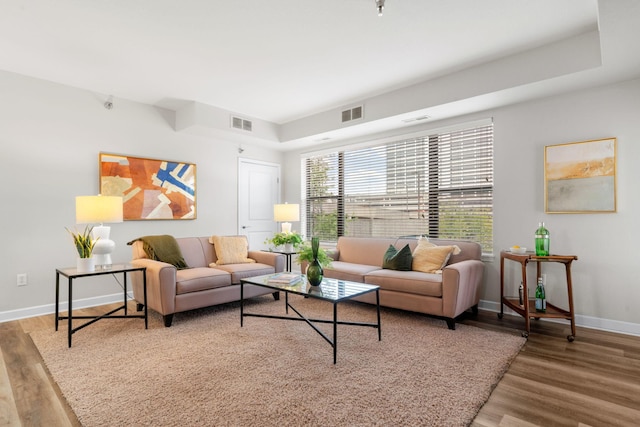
<point x="317" y="258"/>
<point x="84" y="244"/>
<point x="290" y="241"/>
<point x="306" y="254"/>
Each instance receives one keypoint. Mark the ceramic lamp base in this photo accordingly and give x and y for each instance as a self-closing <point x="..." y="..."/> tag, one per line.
<point x="103" y="247"/>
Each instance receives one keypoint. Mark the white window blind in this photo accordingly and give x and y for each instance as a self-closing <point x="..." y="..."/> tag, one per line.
<point x="440" y="185"/>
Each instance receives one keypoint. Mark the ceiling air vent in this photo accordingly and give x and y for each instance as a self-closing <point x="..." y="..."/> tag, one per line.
<point x="354" y="113"/>
<point x="242" y="124"/>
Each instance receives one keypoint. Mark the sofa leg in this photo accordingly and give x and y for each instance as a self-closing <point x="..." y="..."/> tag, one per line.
<point x="139" y="306"/>
<point x="451" y="323"/>
<point x="276" y="296"/>
<point x="474" y="309"/>
<point x="168" y="319"/>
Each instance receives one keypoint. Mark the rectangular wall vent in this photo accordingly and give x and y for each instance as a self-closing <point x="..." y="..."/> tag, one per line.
<point x="242" y="124"/>
<point x="354" y="113"/>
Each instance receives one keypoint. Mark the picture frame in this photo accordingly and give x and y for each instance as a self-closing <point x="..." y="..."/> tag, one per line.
<point x="151" y="189"/>
<point x="580" y="177"/>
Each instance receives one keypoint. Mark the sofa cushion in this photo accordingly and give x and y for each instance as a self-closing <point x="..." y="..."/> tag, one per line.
<point x="363" y="250"/>
<point x="193" y="250"/>
<point x="200" y="278"/>
<point x="242" y="271"/>
<point x="395" y="259"/>
<point x="413" y="282"/>
<point x="348" y="271"/>
<point x="231" y="249"/>
<point x="431" y="259"/>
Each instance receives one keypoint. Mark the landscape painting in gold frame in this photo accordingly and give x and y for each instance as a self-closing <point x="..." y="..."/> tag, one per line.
<point x="580" y="177"/>
<point x="150" y="188"/>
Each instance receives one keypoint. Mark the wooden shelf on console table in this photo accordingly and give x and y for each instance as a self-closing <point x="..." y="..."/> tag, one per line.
<point x="528" y="310"/>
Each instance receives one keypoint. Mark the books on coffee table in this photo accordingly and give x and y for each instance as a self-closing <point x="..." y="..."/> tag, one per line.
<point x="285" y="278"/>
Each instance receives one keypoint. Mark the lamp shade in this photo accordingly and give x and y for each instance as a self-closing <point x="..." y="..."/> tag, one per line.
<point x="98" y="209"/>
<point x="286" y="212"/>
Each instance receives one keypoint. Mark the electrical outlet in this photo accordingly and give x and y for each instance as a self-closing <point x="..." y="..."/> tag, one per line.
<point x="22" y="279"/>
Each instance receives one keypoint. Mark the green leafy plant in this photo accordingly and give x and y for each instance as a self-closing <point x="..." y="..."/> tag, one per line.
<point x="83" y="242"/>
<point x="306" y="253"/>
<point x="280" y="239"/>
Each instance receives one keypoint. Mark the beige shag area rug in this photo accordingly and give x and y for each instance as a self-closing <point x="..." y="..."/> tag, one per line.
<point x="207" y="370"/>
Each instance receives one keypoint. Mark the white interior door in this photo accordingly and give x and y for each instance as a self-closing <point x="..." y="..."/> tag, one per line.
<point x="258" y="191"/>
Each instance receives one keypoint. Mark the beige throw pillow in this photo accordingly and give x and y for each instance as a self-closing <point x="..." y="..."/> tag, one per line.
<point x="430" y="258"/>
<point x="231" y="249"/>
<point x="425" y="242"/>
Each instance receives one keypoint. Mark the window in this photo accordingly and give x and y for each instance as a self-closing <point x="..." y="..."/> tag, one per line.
<point x="440" y="185"/>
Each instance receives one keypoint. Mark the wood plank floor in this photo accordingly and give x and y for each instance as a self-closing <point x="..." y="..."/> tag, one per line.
<point x="594" y="381"/>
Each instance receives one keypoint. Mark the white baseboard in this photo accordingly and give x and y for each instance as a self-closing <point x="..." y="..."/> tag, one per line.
<point x="590" y="322"/>
<point x="617" y="326"/>
<point x="41" y="310"/>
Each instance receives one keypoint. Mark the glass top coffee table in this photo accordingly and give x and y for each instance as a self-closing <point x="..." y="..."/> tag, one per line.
<point x="331" y="290"/>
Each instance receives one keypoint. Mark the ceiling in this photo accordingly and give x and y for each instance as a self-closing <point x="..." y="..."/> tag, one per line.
<point x="283" y="61"/>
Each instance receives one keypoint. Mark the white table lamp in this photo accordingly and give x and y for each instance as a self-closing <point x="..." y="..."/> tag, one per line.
<point x="285" y="213"/>
<point x="100" y="209"/>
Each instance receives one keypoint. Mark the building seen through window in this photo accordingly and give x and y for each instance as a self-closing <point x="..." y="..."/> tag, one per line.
<point x="439" y="185"/>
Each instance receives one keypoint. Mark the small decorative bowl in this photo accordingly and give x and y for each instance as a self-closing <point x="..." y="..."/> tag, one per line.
<point x="518" y="250"/>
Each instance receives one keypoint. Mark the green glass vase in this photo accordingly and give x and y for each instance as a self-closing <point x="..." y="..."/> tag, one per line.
<point x="314" y="270"/>
<point x="314" y="273"/>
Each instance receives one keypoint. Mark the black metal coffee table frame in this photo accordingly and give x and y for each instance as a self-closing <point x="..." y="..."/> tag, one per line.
<point x="330" y="290"/>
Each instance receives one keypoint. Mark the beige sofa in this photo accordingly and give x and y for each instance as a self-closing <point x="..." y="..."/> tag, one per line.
<point x="445" y="295"/>
<point x="171" y="291"/>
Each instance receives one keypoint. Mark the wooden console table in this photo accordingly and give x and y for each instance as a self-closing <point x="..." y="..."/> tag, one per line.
<point x="527" y="309"/>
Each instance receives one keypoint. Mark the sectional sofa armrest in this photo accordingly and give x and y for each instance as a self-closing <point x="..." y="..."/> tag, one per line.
<point x="270" y="258"/>
<point x="461" y="285"/>
<point x="161" y="285"/>
<point x="334" y="254"/>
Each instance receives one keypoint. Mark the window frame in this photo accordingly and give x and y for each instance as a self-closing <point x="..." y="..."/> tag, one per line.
<point x="480" y="193"/>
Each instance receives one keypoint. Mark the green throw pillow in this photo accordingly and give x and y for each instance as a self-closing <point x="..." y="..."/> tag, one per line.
<point x="398" y="259"/>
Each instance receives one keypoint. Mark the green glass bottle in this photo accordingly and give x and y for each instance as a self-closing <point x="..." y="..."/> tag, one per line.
<point x="541" y="301"/>
<point x="542" y="240"/>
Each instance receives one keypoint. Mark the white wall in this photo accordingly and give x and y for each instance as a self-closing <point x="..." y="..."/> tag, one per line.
<point x="50" y="137"/>
<point x="605" y="277"/>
